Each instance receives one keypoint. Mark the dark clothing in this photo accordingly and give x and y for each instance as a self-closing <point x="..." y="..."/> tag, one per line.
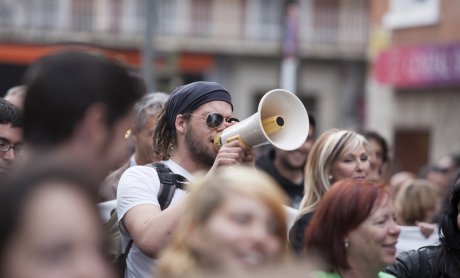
<point x="297" y="233"/>
<point x="426" y="262"/>
<point x="293" y="190"/>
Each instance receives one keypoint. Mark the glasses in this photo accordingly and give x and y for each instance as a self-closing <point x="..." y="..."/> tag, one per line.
<point x="215" y="120"/>
<point x="5" y="147"/>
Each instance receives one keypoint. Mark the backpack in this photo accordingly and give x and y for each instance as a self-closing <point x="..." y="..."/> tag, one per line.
<point x="169" y="181"/>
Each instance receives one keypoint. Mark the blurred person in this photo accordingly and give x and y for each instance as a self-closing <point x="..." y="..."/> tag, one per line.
<point x="442" y="171"/>
<point x="11" y="145"/>
<point x="234" y="222"/>
<point x="337" y="154"/>
<point x="141" y="133"/>
<point x="398" y="179"/>
<point x="417" y="202"/>
<point x="380" y="163"/>
<point x="354" y="230"/>
<point x="442" y="260"/>
<point x="16" y="96"/>
<point x="183" y="138"/>
<point x="287" y="167"/>
<point x="50" y="226"/>
<point x="77" y="109"/>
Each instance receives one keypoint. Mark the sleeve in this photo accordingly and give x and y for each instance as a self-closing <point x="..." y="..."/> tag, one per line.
<point x="297" y="233"/>
<point x="138" y="185"/>
<point x="405" y="264"/>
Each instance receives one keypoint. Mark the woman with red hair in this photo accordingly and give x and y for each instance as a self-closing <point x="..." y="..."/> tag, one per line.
<point x="354" y="230"/>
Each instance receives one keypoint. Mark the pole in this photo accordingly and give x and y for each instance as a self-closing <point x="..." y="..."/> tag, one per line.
<point x="289" y="45"/>
<point x="148" y="47"/>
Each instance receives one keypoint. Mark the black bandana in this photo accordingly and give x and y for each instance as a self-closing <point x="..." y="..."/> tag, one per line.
<point x="188" y="97"/>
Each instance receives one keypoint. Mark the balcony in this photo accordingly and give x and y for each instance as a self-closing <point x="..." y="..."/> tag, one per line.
<point x="251" y="27"/>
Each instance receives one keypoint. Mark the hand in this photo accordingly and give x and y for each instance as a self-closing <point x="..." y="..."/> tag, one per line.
<point x="233" y="153"/>
<point x="426" y="228"/>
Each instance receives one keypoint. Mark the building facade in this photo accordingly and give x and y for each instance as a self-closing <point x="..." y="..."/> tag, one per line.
<point x="238" y="43"/>
<point x="413" y="81"/>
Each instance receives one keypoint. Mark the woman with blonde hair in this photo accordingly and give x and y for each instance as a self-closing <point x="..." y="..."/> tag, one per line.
<point x="417" y="203"/>
<point x="234" y="221"/>
<point x="336" y="154"/>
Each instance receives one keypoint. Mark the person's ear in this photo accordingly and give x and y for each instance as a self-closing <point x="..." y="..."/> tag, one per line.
<point x="92" y="127"/>
<point x="181" y="124"/>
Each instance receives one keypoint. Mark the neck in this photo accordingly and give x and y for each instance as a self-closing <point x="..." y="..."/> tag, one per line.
<point x="185" y="161"/>
<point x="359" y="270"/>
<point x="294" y="175"/>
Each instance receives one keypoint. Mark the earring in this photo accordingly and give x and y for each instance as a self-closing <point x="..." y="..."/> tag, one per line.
<point x="346" y="244"/>
<point x="330" y="177"/>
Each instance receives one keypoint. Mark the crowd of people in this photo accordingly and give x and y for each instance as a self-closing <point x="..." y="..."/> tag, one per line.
<point x="82" y="130"/>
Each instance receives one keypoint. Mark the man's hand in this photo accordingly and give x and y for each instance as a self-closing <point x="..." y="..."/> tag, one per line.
<point x="233" y="153"/>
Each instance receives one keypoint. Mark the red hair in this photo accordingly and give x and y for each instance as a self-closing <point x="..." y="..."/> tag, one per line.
<point x="342" y="209"/>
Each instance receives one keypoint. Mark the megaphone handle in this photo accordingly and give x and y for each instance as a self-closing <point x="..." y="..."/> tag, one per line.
<point x="237" y="138"/>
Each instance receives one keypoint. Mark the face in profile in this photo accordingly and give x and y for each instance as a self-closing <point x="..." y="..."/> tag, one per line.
<point x="296" y="159"/>
<point x="11" y="136"/>
<point x="352" y="164"/>
<point x="59" y="235"/>
<point x="240" y="234"/>
<point x="143" y="140"/>
<point x="373" y="242"/>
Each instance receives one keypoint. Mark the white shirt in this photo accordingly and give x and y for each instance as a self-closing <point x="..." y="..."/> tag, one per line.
<point x="411" y="238"/>
<point x="139" y="185"/>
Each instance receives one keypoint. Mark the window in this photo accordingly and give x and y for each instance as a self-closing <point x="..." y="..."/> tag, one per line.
<point x="412" y="13"/>
<point x="82" y="15"/>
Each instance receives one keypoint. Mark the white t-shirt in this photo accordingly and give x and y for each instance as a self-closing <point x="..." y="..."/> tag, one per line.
<point x="139" y="185"/>
<point x="411" y="238"/>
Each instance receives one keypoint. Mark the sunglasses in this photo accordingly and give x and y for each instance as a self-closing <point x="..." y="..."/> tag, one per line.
<point x="215" y="120"/>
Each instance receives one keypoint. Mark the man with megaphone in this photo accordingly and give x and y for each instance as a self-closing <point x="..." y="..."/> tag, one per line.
<point x="184" y="138"/>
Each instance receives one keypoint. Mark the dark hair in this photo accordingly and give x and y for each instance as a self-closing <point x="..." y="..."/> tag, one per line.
<point x="372" y="135"/>
<point x="342" y="209"/>
<point x="449" y="233"/>
<point x="61" y="87"/>
<point x="16" y="192"/>
<point x="312" y="120"/>
<point x="10" y="114"/>
<point x="164" y="138"/>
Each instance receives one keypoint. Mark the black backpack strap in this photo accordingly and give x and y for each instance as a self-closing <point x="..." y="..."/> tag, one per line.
<point x="169" y="181"/>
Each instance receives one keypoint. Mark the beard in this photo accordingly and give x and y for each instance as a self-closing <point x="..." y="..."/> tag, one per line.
<point x="288" y="165"/>
<point x="199" y="149"/>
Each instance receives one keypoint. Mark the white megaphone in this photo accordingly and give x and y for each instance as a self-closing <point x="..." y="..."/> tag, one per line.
<point x="281" y="120"/>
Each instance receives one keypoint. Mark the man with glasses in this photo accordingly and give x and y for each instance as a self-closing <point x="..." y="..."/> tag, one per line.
<point x="10" y="135"/>
<point x="184" y="139"/>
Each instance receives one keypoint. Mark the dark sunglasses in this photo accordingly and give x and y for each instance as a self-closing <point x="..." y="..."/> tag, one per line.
<point x="215" y="120"/>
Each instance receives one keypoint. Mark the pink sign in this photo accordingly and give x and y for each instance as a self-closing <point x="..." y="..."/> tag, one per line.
<point x="421" y="66"/>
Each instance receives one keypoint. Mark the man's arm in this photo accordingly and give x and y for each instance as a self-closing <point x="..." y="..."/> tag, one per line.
<point x="140" y="212"/>
<point x="150" y="227"/>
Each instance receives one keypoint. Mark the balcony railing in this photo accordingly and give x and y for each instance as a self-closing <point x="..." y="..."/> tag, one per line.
<point x="202" y="25"/>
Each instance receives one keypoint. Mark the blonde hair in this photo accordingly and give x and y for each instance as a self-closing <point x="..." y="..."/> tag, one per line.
<point x="329" y="147"/>
<point x="414" y="200"/>
<point x="208" y="193"/>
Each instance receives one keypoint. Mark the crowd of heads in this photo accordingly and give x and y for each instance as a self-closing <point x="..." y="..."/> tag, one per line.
<point x="84" y="119"/>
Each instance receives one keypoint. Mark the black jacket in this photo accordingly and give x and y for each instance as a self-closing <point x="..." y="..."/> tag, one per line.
<point x="297" y="233"/>
<point x="426" y="262"/>
<point x="294" y="191"/>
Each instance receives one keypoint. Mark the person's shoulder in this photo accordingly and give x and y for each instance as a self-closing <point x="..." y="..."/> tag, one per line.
<point x="385" y="275"/>
<point x="138" y="176"/>
<point x="322" y="274"/>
